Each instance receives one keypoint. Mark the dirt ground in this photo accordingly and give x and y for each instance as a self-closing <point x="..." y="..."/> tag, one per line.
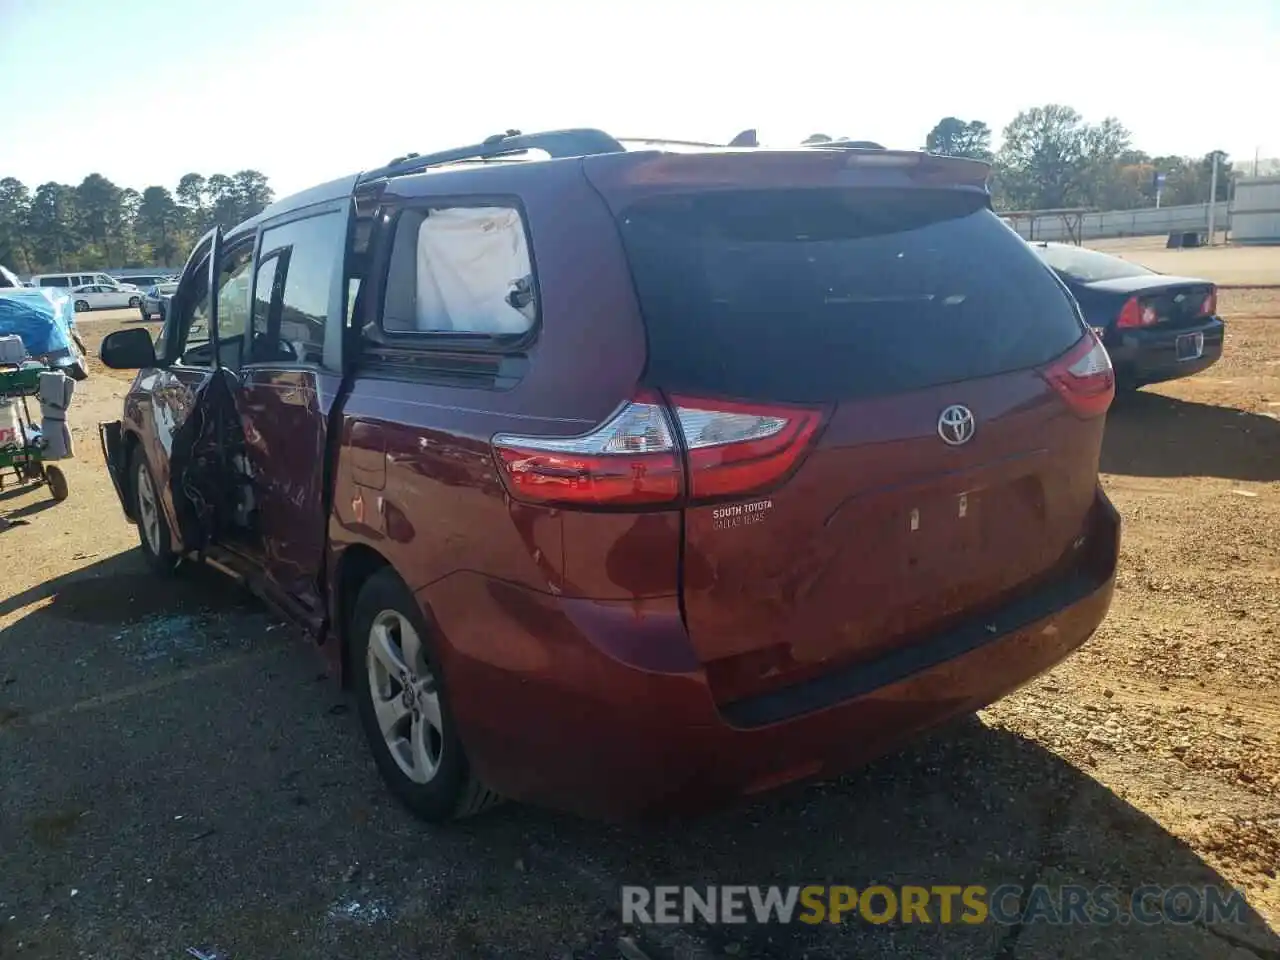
<point x="1227" y="265"/>
<point x="176" y="773"/>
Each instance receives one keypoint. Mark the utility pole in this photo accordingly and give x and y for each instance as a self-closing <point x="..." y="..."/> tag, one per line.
<point x="1213" y="194"/>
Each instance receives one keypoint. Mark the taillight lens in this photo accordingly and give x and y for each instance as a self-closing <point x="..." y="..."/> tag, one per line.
<point x="1135" y="314"/>
<point x="630" y="459"/>
<point x="1083" y="376"/>
<point x="732" y="449"/>
<point x="736" y="448"/>
<point x="1210" y="305"/>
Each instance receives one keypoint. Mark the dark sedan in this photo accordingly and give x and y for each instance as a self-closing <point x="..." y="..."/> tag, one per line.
<point x="1156" y="327"/>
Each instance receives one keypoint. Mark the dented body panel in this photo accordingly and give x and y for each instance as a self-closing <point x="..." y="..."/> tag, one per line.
<point x="624" y="662"/>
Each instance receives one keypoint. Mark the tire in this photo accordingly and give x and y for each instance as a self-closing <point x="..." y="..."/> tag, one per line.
<point x="82" y="306"/>
<point x="135" y="302"/>
<point x="159" y="555"/>
<point x="1126" y="387"/>
<point x="57" y="481"/>
<point x="446" y="789"/>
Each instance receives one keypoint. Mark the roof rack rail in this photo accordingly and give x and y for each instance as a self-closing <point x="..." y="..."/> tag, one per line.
<point x="846" y="145"/>
<point x="558" y="143"/>
<point x="667" y="141"/>
<point x="747" y="138"/>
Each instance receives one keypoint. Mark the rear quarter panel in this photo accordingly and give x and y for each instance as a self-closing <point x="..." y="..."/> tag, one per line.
<point x="488" y="571"/>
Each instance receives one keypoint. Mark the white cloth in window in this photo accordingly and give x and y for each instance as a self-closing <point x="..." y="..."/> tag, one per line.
<point x="469" y="260"/>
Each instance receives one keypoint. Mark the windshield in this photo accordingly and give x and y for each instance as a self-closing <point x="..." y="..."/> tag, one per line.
<point x="1085" y="265"/>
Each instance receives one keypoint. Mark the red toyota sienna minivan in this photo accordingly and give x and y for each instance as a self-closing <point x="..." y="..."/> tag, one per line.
<point x="633" y="481"/>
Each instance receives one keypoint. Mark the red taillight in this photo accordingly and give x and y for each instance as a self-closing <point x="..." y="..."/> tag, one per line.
<point x="735" y="448"/>
<point x="630" y="459"/>
<point x="1210" y="305"/>
<point x="635" y="456"/>
<point x="1084" y="378"/>
<point x="1135" y="314"/>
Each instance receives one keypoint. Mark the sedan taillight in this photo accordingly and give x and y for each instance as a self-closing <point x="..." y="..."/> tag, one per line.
<point x="1136" y="314"/>
<point x="1210" y="305"/>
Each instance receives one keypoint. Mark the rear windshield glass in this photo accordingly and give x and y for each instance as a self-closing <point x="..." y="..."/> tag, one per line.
<point x="822" y="294"/>
<point x="1087" y="265"/>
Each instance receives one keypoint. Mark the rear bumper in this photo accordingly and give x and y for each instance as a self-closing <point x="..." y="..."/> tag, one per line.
<point x="1150" y="356"/>
<point x="568" y="725"/>
<point x="111" y="434"/>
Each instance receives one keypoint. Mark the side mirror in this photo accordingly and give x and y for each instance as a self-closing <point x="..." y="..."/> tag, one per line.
<point x="127" y="350"/>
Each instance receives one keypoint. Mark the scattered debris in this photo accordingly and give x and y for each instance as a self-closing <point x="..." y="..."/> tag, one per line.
<point x="363" y="912"/>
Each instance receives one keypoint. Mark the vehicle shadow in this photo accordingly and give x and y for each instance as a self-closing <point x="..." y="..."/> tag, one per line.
<point x="970" y="805"/>
<point x="30" y="509"/>
<point x="1152" y="435"/>
<point x="120" y="589"/>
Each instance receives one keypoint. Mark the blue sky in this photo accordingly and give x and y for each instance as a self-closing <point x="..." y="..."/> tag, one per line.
<point x="143" y="91"/>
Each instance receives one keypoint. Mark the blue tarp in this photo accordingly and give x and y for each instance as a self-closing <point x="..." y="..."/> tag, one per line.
<point x="42" y="317"/>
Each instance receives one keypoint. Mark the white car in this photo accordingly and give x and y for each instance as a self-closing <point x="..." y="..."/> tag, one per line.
<point x="96" y="296"/>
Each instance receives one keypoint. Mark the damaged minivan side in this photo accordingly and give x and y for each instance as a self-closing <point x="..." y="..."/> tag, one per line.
<point x="633" y="481"/>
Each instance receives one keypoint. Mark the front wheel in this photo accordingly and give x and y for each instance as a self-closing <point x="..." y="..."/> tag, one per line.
<point x="153" y="528"/>
<point x="82" y="306"/>
<point x="404" y="706"/>
<point x="135" y="302"/>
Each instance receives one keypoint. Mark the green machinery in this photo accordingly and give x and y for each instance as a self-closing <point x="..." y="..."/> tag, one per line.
<point x="21" y="442"/>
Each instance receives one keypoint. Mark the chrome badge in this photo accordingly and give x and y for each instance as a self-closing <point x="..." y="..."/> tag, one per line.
<point x="956" y="425"/>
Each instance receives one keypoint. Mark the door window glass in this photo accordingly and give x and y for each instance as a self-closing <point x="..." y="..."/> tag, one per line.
<point x="305" y="253"/>
<point x="233" y="310"/>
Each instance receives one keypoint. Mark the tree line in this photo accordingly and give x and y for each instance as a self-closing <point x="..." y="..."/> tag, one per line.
<point x="1050" y="157"/>
<point x="99" y="224"/>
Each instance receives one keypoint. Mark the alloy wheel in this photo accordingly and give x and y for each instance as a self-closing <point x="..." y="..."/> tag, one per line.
<point x="406" y="698"/>
<point x="148" y="510"/>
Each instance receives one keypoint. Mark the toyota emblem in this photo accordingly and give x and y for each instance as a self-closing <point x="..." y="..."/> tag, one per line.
<point x="956" y="425"/>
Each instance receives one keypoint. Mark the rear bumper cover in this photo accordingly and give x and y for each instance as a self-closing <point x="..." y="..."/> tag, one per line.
<point x="575" y="728"/>
<point x="1150" y="355"/>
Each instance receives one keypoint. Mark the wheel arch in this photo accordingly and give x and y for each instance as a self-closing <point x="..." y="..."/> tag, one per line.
<point x="355" y="565"/>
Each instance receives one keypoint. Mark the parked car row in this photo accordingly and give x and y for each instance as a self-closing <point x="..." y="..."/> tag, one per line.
<point x="152" y="304"/>
<point x="635" y="481"/>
